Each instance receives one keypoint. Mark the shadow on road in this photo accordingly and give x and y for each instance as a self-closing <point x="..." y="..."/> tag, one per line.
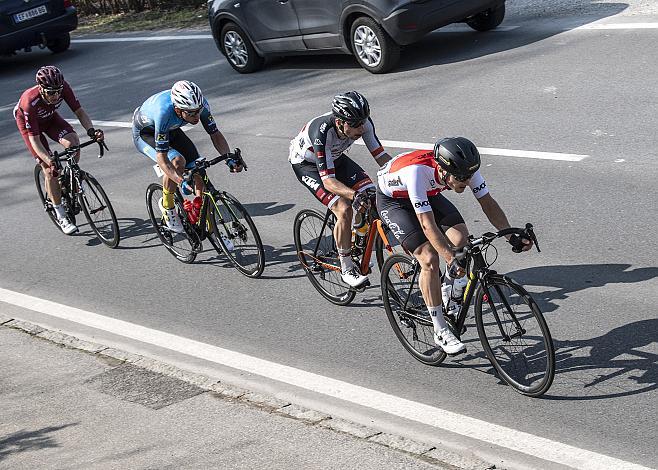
<point x="23" y="441"/>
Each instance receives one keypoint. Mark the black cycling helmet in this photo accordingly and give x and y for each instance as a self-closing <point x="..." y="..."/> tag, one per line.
<point x="457" y="156"/>
<point x="351" y="107"/>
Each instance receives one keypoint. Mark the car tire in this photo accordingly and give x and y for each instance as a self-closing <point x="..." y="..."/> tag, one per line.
<point x="239" y="51"/>
<point x="59" y="43"/>
<point x="373" y="48"/>
<point x="488" y="19"/>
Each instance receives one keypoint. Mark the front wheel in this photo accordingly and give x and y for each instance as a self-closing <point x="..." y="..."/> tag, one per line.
<point x="98" y="211"/>
<point x="372" y="46"/>
<point x="235" y="232"/>
<point x="406" y="310"/>
<point x="318" y="254"/>
<point x="514" y="335"/>
<point x="238" y="49"/>
<point x="184" y="246"/>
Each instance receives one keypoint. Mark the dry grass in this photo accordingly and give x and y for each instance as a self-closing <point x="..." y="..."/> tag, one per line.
<point x="147" y="20"/>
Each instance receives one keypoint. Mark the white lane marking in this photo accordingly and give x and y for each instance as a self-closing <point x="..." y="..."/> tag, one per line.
<point x="603" y="26"/>
<point x="529" y="444"/>
<point x="144" y="38"/>
<point x="568" y="157"/>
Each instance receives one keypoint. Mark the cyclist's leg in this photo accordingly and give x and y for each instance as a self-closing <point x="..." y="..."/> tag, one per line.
<point x="61" y="131"/>
<point x="180" y="142"/>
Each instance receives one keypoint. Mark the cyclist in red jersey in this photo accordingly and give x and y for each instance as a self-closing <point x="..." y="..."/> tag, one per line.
<point x="37" y="117"/>
<point x="426" y="224"/>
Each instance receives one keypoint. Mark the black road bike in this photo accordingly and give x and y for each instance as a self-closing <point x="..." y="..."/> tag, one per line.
<point x="222" y="220"/>
<point x="80" y="192"/>
<point x="511" y="328"/>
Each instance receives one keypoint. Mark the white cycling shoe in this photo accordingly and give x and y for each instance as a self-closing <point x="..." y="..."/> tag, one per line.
<point x="228" y="244"/>
<point x="171" y="218"/>
<point x="67" y="226"/>
<point x="448" y="342"/>
<point x="353" y="278"/>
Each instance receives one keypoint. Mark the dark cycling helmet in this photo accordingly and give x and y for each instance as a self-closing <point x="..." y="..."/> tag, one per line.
<point x="351" y="107"/>
<point x="50" y="77"/>
<point x="457" y="156"/>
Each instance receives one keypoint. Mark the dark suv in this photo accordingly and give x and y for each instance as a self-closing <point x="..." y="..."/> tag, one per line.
<point x="247" y="31"/>
<point x="44" y="23"/>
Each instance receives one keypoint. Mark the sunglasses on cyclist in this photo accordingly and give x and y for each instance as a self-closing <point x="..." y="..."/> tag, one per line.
<point x="355" y="124"/>
<point x="52" y="91"/>
<point x="193" y="112"/>
<point x="461" y="178"/>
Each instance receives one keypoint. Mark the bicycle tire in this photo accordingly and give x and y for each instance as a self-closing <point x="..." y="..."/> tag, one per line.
<point x="47" y="203"/>
<point x="231" y="224"/>
<point x="183" y="246"/>
<point x="94" y="191"/>
<point x="340" y="294"/>
<point x="396" y="273"/>
<point x="533" y="350"/>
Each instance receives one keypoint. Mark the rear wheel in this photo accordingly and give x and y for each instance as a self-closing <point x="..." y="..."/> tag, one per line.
<point x="374" y="49"/>
<point x="184" y="246"/>
<point x="514" y="335"/>
<point x="235" y="233"/>
<point x="318" y="254"/>
<point x="488" y="19"/>
<point x="238" y="49"/>
<point x="59" y="43"/>
<point x="406" y="309"/>
<point x="98" y="211"/>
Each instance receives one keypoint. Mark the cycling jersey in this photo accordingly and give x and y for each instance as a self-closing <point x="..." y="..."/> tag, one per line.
<point x="33" y="113"/>
<point x="318" y="142"/>
<point x="157" y="115"/>
<point x="416" y="175"/>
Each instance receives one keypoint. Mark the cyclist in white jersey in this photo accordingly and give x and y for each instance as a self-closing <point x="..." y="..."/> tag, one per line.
<point x="427" y="225"/>
<point x="319" y="159"/>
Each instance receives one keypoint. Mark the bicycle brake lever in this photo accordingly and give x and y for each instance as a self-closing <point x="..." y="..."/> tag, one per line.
<point x="238" y="153"/>
<point x="533" y="237"/>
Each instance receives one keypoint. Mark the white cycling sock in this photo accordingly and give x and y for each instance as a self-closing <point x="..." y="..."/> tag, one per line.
<point x="346" y="261"/>
<point x="436" y="314"/>
<point x="59" y="210"/>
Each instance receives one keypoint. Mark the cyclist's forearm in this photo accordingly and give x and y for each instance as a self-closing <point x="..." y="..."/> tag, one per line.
<point x="220" y="143"/>
<point x="168" y="169"/>
<point x="39" y="148"/>
<point x="84" y="118"/>
<point x="494" y="212"/>
<point x="383" y="159"/>
<point x="336" y="187"/>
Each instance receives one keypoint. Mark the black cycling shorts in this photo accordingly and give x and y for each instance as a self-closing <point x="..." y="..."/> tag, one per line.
<point x="398" y="214"/>
<point x="348" y="172"/>
<point x="179" y="145"/>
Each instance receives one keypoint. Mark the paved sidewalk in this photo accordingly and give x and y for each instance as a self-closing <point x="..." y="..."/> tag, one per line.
<point x="62" y="408"/>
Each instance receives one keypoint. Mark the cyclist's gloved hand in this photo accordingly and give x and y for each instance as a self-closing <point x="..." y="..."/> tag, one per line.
<point x="233" y="163"/>
<point x="519" y="243"/>
<point x="456" y="268"/>
<point x="360" y="202"/>
<point x="95" y="134"/>
<point x="187" y="185"/>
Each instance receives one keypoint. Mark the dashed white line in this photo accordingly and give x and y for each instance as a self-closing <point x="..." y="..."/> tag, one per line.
<point x="529" y="444"/>
<point x="568" y="157"/>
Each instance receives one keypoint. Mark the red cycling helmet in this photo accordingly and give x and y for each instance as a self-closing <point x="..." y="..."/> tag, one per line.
<point x="50" y="77"/>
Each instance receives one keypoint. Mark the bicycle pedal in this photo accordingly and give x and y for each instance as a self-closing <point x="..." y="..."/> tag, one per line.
<point x="463" y="351"/>
<point x="362" y="287"/>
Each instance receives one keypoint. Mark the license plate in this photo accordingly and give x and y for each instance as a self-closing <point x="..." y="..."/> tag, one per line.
<point x="29" y="14"/>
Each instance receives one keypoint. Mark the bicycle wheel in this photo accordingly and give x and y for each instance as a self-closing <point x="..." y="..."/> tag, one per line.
<point x="98" y="210"/>
<point x="318" y="253"/>
<point x="411" y="322"/>
<point x="47" y="203"/>
<point x="514" y="335"/>
<point x="184" y="246"/>
<point x="235" y="232"/>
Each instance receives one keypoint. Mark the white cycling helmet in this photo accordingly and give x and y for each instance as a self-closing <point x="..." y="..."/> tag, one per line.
<point x="186" y="95"/>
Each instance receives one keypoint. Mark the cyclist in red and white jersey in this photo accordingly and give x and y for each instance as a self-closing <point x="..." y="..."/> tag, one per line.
<point x="319" y="159"/>
<point x="426" y="224"/>
<point x="36" y="116"/>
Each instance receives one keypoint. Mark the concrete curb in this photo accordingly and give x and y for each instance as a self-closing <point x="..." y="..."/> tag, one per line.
<point x="442" y="459"/>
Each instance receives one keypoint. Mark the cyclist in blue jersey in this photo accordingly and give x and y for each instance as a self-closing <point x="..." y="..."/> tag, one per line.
<point x="157" y="134"/>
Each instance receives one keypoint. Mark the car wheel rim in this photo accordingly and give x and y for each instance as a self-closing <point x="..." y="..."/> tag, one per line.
<point x="367" y="46"/>
<point x="236" y="49"/>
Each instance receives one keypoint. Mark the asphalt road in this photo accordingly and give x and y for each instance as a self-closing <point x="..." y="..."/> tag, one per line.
<point x="536" y="87"/>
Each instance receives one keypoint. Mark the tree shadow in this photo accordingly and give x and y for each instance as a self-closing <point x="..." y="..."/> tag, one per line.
<point x="129" y="227"/>
<point x="23" y="441"/>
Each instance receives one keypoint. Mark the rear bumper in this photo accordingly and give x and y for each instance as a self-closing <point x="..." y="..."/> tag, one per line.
<point x="32" y="35"/>
<point x="413" y="20"/>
